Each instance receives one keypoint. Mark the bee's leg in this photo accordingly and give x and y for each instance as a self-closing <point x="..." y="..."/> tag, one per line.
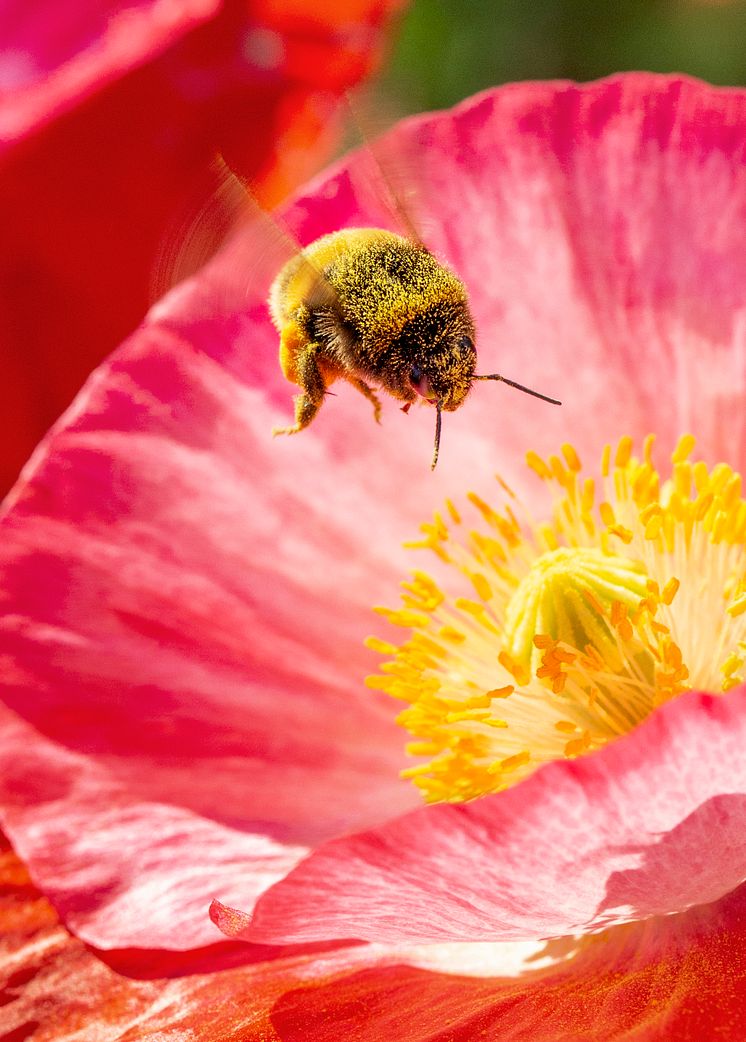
<point x="369" y="393"/>
<point x="309" y="377"/>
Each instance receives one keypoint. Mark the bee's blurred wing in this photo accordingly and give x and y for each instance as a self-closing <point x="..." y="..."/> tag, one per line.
<point x="387" y="174"/>
<point x="229" y="210"/>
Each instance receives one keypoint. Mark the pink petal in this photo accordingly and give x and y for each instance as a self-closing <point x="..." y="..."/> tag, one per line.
<point x="680" y="977"/>
<point x="53" y="987"/>
<point x="185" y="598"/>
<point x="651" y="824"/>
<point x="53" y="55"/>
<point x="185" y="716"/>
<point x="192" y="706"/>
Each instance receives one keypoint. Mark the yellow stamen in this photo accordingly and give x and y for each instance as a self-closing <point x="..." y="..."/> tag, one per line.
<point x="582" y="625"/>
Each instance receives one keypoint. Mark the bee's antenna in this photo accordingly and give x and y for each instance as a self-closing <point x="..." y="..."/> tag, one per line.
<point x="519" y="387"/>
<point x="438" y="421"/>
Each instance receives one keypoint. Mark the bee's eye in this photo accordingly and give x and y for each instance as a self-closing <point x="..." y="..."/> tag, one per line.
<point x="465" y="343"/>
<point x="415" y="375"/>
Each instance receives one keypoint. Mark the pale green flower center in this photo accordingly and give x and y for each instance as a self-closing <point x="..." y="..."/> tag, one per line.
<point x="561" y="595"/>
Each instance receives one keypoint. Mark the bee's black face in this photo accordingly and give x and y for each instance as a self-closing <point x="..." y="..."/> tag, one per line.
<point x="448" y="371"/>
<point x="433" y="357"/>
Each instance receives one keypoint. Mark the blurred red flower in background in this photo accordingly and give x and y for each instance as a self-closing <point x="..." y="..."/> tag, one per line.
<point x="110" y="115"/>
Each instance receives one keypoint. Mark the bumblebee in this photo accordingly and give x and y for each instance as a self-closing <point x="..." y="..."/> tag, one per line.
<point x="378" y="310"/>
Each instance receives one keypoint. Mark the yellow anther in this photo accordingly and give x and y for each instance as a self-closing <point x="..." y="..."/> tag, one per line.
<point x="619" y="620"/>
<point x="440" y="527"/>
<point x="670" y="590"/>
<point x="418" y="769"/>
<point x="548" y="536"/>
<point x="682" y="478"/>
<point x="452" y="635"/>
<point x="641" y="484"/>
<point x="607" y="514"/>
<point x="731" y="664"/>
<point x="623" y="452"/>
<point x="467" y="714"/>
<point x="703" y="504"/>
<point x="478" y="702"/>
<point x="621" y="532"/>
<point x="672" y="656"/>
<point x="654" y="527"/>
<point x="571" y="457"/>
<point x="501" y="692"/>
<point x="510" y="763"/>
<point x="480" y="584"/>
<point x="421" y="749"/>
<point x="403" y="617"/>
<point x="647" y="449"/>
<point x="593" y="635"/>
<point x="383" y="647"/>
<point x="558" y="471"/>
<point x="484" y="508"/>
<point x="734" y="681"/>
<point x="732" y="492"/>
<point x="684" y="448"/>
<point x="577" y="746"/>
<point x="588" y="495"/>
<point x="605" y="461"/>
<point x="377" y="683"/>
<point x="537" y="464"/>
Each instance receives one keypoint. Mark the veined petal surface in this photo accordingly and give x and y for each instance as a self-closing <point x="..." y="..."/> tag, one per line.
<point x="646" y="826"/>
<point x="184" y="599"/>
<point x="679" y="977"/>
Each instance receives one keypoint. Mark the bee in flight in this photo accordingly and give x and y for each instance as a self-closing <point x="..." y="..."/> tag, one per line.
<point x="378" y="310"/>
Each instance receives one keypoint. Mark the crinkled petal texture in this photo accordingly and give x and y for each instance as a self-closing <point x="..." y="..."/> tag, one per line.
<point x="650" y="825"/>
<point x="184" y="598"/>
<point x="679" y="977"/>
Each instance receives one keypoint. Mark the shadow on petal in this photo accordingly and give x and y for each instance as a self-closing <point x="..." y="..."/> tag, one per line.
<point x="683" y="865"/>
<point x="677" y="977"/>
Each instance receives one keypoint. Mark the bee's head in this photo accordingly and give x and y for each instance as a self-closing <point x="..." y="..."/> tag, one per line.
<point x="444" y="375"/>
<point x="438" y="358"/>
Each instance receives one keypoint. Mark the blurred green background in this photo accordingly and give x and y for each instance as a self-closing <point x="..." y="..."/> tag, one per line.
<point x="448" y="49"/>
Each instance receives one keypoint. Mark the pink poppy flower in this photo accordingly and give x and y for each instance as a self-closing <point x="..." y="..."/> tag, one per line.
<point x="186" y="601"/>
<point x="110" y="116"/>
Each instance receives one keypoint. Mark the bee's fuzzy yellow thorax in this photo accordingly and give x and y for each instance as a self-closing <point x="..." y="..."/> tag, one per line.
<point x="390" y="283"/>
<point x="575" y="629"/>
<point x="384" y="279"/>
